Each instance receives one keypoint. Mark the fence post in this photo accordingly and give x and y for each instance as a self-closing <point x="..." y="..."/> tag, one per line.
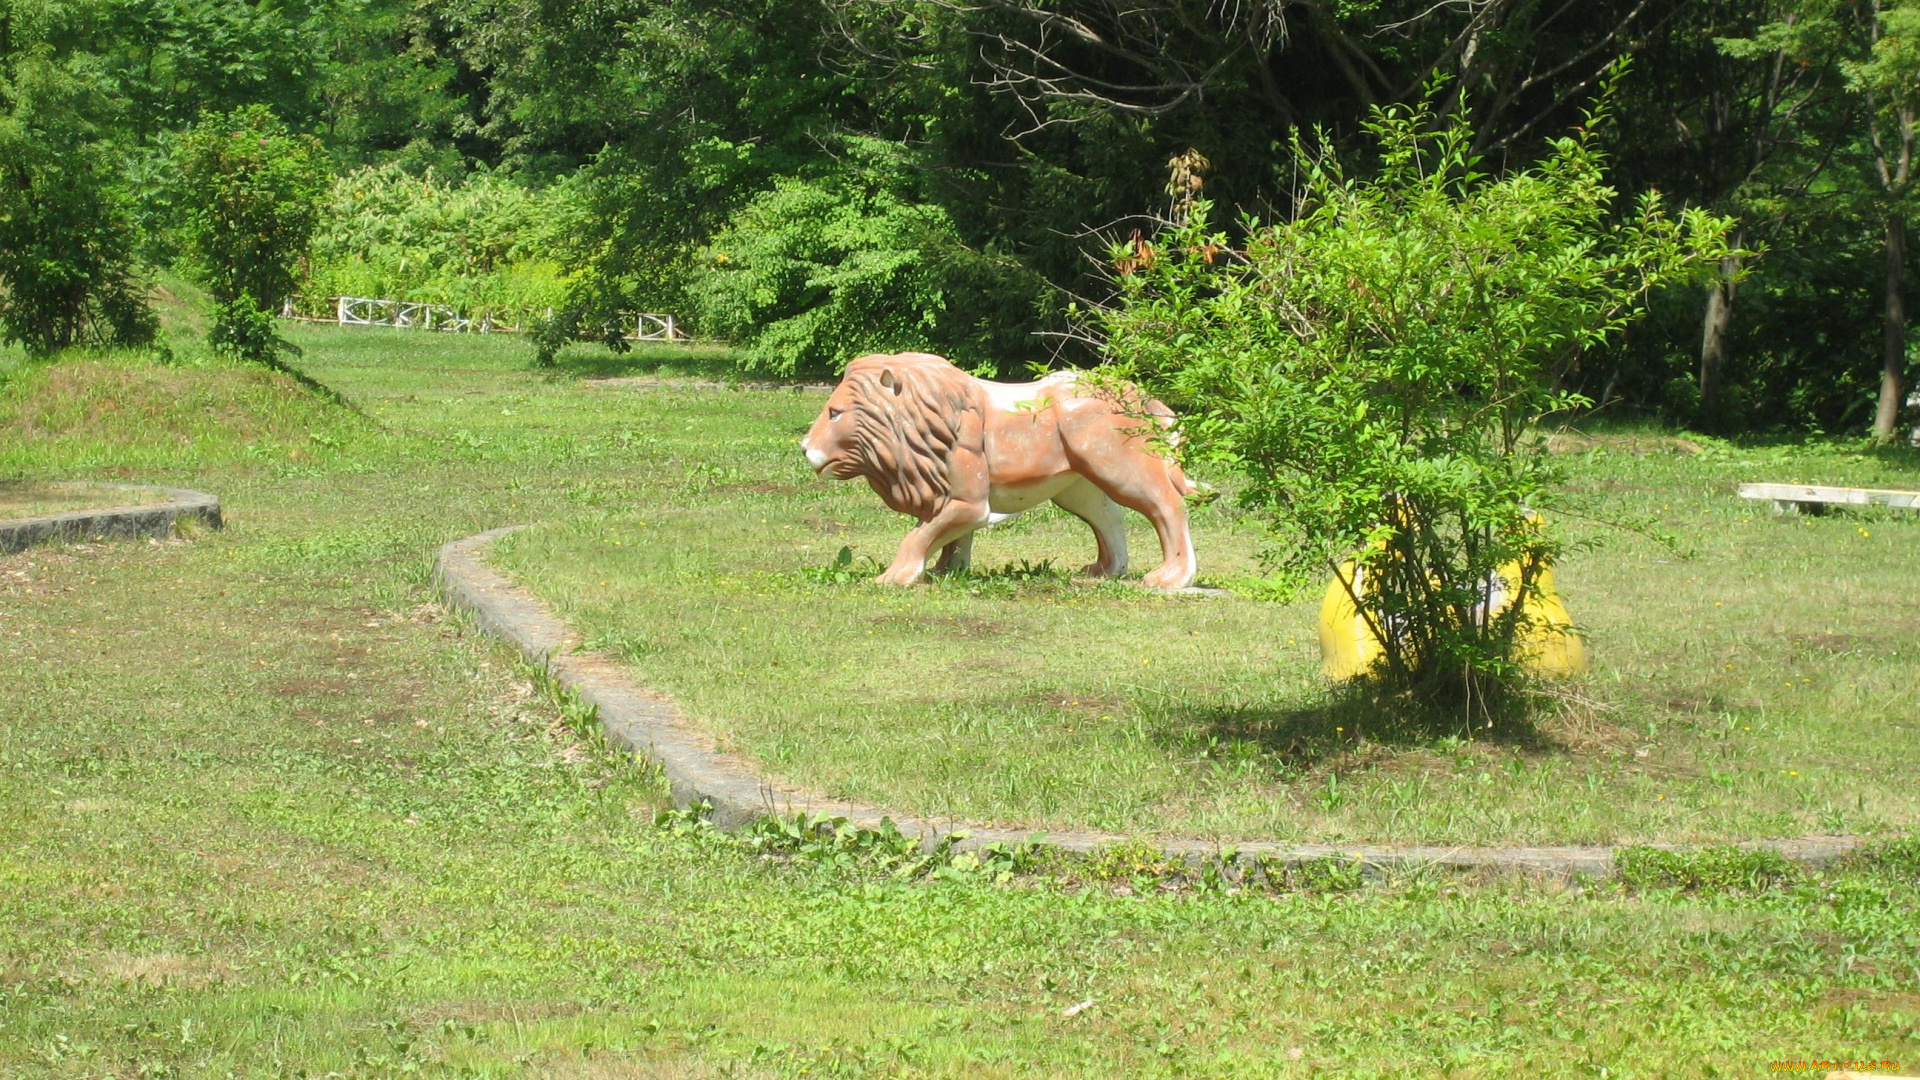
<point x="340" y="310"/>
<point x="670" y="331"/>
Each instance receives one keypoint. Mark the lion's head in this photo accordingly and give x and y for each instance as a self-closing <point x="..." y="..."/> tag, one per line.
<point x="893" y="421"/>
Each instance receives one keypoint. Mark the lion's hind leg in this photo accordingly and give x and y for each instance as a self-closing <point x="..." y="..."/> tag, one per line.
<point x="1146" y="483"/>
<point x="1086" y="501"/>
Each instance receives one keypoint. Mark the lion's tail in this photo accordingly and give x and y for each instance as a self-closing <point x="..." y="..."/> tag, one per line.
<point x="1180" y="482"/>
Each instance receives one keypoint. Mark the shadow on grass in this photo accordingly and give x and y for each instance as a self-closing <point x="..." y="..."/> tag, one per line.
<point x="1350" y="717"/>
<point x="592" y="361"/>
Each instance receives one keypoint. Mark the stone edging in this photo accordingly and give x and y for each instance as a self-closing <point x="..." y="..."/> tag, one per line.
<point x="646" y="723"/>
<point x="114" y="521"/>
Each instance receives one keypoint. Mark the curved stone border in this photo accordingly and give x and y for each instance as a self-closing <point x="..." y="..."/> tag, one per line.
<point x="111" y="522"/>
<point x="649" y="724"/>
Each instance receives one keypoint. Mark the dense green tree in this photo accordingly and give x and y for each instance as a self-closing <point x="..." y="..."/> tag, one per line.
<point x="813" y="271"/>
<point x="67" y="239"/>
<point x="1874" y="49"/>
<point x="1033" y="131"/>
<point x="1038" y="129"/>
<point x="255" y="190"/>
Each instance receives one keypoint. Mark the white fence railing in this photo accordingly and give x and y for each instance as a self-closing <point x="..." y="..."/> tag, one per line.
<point x="420" y="315"/>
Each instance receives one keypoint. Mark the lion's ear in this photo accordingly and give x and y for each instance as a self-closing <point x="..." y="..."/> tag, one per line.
<point x="887" y="380"/>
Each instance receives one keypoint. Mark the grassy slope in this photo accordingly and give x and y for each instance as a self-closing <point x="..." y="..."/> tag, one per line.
<point x="263" y="812"/>
<point x="1758" y="677"/>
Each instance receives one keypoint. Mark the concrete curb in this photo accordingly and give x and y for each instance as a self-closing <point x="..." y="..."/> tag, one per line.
<point x="114" y="522"/>
<point x="646" y="723"/>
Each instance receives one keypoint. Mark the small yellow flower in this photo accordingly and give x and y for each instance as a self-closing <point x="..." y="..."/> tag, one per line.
<point x="1864" y="532"/>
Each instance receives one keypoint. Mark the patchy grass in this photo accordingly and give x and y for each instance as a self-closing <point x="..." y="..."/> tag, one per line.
<point x="265" y="812"/>
<point x="1753" y="676"/>
<point x="25" y="498"/>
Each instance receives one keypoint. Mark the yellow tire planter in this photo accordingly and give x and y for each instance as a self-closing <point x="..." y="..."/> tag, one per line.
<point x="1548" y="645"/>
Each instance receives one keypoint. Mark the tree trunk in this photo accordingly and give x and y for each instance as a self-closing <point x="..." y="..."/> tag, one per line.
<point x="1893" y="359"/>
<point x="1713" y="335"/>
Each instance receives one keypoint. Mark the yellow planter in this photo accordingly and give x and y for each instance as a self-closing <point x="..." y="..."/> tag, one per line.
<point x="1548" y="646"/>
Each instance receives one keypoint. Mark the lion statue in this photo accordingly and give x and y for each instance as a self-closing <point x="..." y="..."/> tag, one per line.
<point x="959" y="453"/>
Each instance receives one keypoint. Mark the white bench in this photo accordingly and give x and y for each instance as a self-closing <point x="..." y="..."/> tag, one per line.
<point x="1815" y="498"/>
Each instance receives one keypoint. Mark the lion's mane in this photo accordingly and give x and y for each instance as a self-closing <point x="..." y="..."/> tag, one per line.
<point x="904" y="437"/>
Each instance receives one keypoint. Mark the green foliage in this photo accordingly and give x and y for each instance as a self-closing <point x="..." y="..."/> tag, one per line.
<point x="586" y="315"/>
<point x="836" y="843"/>
<point x="1134" y="862"/>
<point x="1875" y="49"/>
<point x="844" y="569"/>
<point x="813" y="272"/>
<point x="481" y="245"/>
<point x="254" y="192"/>
<point x="67" y="239"/>
<point x="1142" y="866"/>
<point x="1377" y="369"/>
<point x="1316" y="875"/>
<point x="1721" y="868"/>
<point x="1899" y="858"/>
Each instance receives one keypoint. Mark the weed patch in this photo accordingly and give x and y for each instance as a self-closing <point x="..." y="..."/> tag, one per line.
<point x="1706" y="869"/>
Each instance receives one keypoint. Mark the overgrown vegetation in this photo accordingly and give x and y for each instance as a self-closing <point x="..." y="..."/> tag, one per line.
<point x="484" y="244"/>
<point x="1711" y="869"/>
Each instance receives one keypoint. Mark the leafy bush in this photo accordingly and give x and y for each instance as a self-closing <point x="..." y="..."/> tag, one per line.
<point x="1713" y="869"/>
<point x="485" y="244"/>
<point x="253" y="190"/>
<point x="66" y="235"/>
<point x="1378" y="368"/>
<point x="814" y="271"/>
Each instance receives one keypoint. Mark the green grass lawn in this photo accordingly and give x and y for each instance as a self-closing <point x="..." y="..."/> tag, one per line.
<point x="1753" y="676"/>
<point x="264" y="811"/>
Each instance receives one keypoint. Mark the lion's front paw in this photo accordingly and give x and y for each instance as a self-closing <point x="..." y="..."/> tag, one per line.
<point x="1171" y="575"/>
<point x="898" y="575"/>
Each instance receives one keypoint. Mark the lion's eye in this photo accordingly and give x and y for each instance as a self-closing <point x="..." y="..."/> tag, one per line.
<point x="833" y="414"/>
